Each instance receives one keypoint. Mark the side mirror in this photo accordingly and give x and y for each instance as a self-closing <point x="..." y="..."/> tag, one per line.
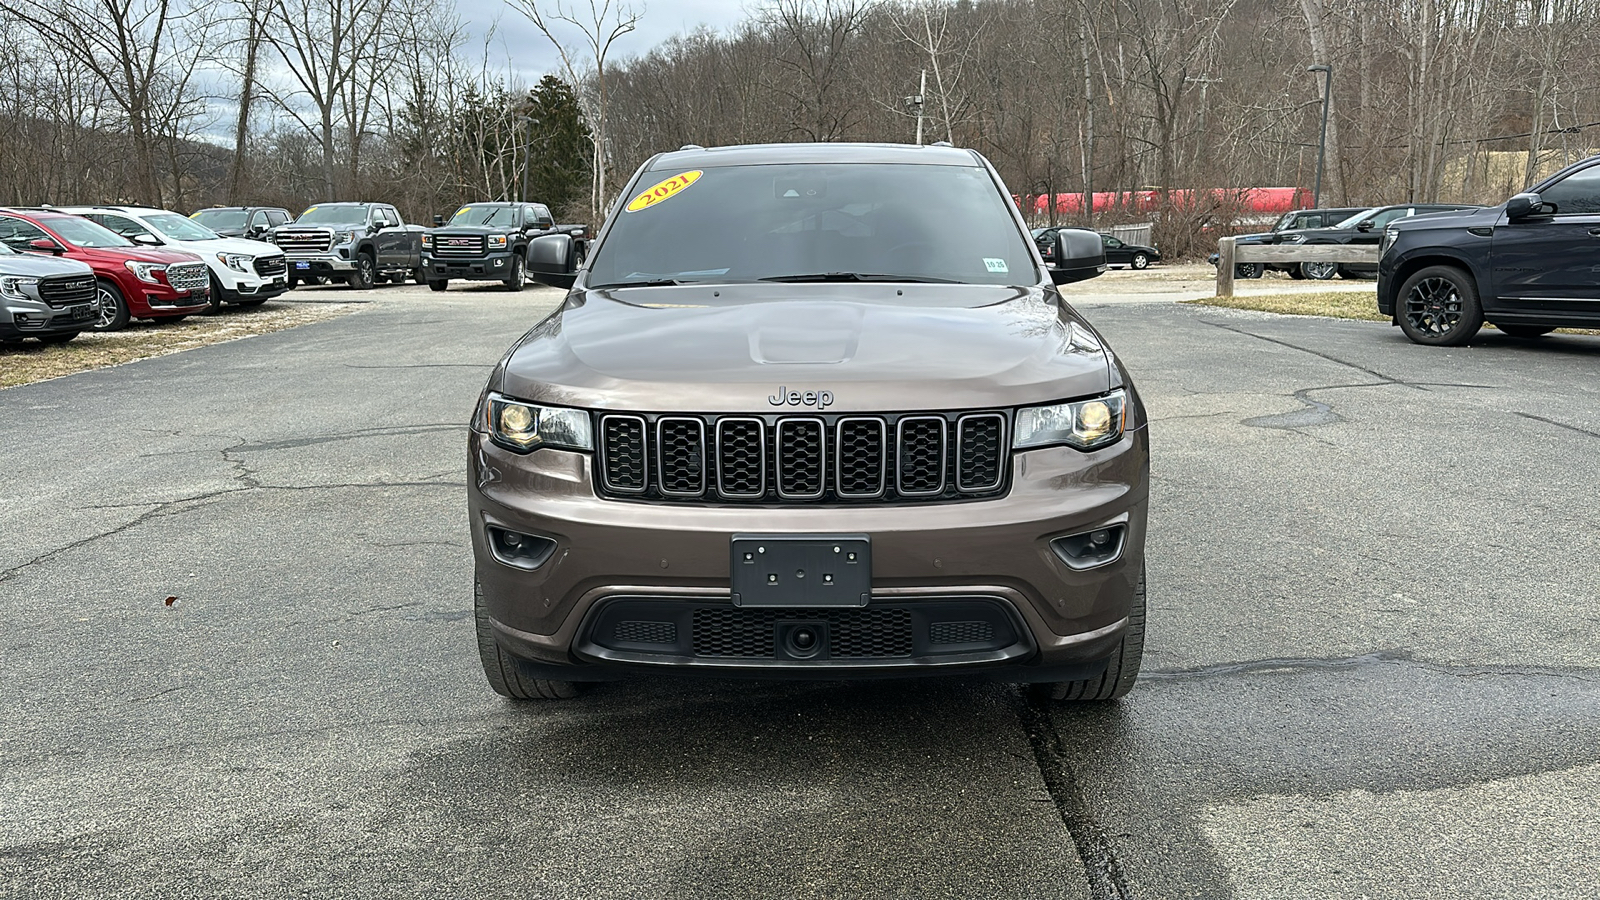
<point x="545" y="223"/>
<point x="551" y="260"/>
<point x="438" y="221"/>
<point x="1364" y="225"/>
<point x="148" y="240"/>
<point x="1079" y="256"/>
<point x="45" y="244"/>
<point x="1523" y="206"/>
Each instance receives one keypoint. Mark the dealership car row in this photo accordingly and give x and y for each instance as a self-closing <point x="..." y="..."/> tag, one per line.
<point x="66" y="270"/>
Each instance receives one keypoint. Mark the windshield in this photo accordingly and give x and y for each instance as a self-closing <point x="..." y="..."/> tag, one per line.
<point x="485" y="215"/>
<point x="178" y="228"/>
<point x="232" y="219"/>
<point x="749" y="223"/>
<point x="333" y="215"/>
<point x="84" y="233"/>
<point x="1351" y="222"/>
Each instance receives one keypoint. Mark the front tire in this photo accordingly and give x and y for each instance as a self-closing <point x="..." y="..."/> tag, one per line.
<point x="440" y="285"/>
<point x="1525" y="331"/>
<point x="1247" y="270"/>
<point x="113" y="308"/>
<point x="1319" y="271"/>
<point x="501" y="667"/>
<point x="215" y="301"/>
<point x="366" y="270"/>
<point x="1140" y="261"/>
<point x="1121" y="671"/>
<point x="517" y="278"/>
<point x="1438" y="307"/>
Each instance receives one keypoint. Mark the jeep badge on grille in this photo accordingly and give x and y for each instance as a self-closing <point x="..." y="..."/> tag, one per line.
<point x="786" y="397"/>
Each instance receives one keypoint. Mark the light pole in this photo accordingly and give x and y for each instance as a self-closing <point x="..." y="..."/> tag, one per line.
<point x="1322" y="142"/>
<point x="527" y="156"/>
<point x="916" y="104"/>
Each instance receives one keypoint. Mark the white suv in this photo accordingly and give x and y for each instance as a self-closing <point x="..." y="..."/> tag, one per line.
<point x="242" y="271"/>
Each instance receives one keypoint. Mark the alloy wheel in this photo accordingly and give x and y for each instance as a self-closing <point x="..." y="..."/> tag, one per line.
<point x="108" y="308"/>
<point x="1434" y="306"/>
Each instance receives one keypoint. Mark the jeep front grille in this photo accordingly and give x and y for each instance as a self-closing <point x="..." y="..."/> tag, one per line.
<point x="68" y="291"/>
<point x="458" y="245"/>
<point x="823" y="458"/>
<point x="189" y="276"/>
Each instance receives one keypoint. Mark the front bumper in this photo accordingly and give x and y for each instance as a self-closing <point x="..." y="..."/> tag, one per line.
<point x="318" y="264"/>
<point x="925" y="559"/>
<point x="492" y="267"/>
<point x="35" y="318"/>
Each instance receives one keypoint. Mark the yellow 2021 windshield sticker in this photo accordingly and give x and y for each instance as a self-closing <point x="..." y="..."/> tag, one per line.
<point x="665" y="190"/>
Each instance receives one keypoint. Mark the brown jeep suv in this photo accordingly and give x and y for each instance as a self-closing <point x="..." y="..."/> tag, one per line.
<point x="811" y="411"/>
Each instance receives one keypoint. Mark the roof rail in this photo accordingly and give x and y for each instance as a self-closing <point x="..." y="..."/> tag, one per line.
<point x="691" y="147"/>
<point x="941" y="144"/>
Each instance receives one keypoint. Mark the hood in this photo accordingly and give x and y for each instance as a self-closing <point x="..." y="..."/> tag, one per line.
<point x="743" y="348"/>
<point x="474" y="229"/>
<point x="1454" y="218"/>
<point x="32" y="265"/>
<point x="143" y="254"/>
<point x="228" y="245"/>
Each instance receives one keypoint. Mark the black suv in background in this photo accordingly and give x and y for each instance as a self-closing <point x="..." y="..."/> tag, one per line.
<point x="242" y="221"/>
<point x="1527" y="265"/>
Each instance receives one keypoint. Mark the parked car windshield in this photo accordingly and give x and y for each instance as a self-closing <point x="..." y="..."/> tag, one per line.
<point x="333" y="215"/>
<point x="485" y="215"/>
<point x="220" y="218"/>
<point x="178" y="228"/>
<point x="830" y="221"/>
<point x="84" y="233"/>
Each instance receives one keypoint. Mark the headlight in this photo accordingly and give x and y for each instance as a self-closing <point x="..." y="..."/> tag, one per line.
<point x="497" y="242"/>
<point x="343" y="237"/>
<point x="1389" y="237"/>
<point x="145" y="271"/>
<point x="12" y="285"/>
<point x="525" y="427"/>
<point x="427" y="239"/>
<point x="238" y="262"/>
<point x="1084" y="424"/>
<point x="1292" y="239"/>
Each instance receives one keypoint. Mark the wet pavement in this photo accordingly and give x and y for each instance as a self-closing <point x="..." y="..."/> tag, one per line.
<point x="1371" y="667"/>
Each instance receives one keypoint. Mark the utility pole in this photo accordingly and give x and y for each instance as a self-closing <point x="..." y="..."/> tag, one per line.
<point x="916" y="104"/>
<point x="1322" y="142"/>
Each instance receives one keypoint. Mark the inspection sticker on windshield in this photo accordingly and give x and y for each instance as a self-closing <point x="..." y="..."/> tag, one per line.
<point x="666" y="189"/>
<point x="996" y="265"/>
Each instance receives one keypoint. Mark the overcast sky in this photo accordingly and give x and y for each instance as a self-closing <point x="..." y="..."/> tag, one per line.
<point x="511" y="37"/>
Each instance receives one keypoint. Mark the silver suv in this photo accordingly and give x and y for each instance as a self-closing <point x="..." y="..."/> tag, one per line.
<point x="45" y="298"/>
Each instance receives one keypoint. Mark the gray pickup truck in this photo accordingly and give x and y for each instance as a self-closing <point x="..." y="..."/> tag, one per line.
<point x="360" y="244"/>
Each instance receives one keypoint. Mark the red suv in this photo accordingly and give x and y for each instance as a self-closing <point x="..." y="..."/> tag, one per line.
<point x="146" y="282"/>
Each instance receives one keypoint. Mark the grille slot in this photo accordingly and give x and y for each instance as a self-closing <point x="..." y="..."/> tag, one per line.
<point x="920" y="456"/>
<point x="646" y="632"/>
<point x="623" y="458"/>
<point x="960" y="632"/>
<point x="681" y="456"/>
<point x="303" y="241"/>
<point x="980" y="451"/>
<point x="458" y="245"/>
<point x="741" y="458"/>
<point x="862" y="458"/>
<point x="59" y="292"/>
<point x="852" y="633"/>
<point x="802" y="458"/>
<point x="269" y="266"/>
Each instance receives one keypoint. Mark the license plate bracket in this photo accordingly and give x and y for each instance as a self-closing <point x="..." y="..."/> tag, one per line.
<point x="302" y="266"/>
<point x="80" y="313"/>
<point x="801" y="570"/>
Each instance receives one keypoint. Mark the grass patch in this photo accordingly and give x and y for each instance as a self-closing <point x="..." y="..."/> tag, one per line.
<point x="1337" y="304"/>
<point x="31" y="361"/>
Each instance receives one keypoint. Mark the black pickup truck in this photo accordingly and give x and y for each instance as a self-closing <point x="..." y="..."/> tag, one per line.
<point x="361" y="244"/>
<point x="489" y="242"/>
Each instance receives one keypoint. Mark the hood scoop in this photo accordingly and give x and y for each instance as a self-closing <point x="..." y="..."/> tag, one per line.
<point x="805" y="334"/>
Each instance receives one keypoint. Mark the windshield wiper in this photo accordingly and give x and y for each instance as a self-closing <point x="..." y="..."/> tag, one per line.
<point x="859" y="276"/>
<point x="654" y="282"/>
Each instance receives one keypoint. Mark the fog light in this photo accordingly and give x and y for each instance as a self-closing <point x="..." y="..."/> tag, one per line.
<point x="1089" y="549"/>
<point x="524" y="551"/>
<point x="21" y="318"/>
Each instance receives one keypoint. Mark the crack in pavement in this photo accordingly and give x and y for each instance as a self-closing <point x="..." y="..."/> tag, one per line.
<point x="1376" y="658"/>
<point x="387" y="431"/>
<point x="1101" y="867"/>
<point x="1386" y="379"/>
<point x="1535" y="418"/>
<point x="487" y="365"/>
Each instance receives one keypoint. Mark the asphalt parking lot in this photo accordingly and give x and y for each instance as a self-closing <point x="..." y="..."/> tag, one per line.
<point x="1371" y="668"/>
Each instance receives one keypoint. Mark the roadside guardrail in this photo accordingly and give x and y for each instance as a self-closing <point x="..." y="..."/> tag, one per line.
<point x="1230" y="254"/>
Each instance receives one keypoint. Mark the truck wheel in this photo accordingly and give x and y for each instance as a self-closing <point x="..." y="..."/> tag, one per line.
<point x="1525" y="331"/>
<point x="1121" y="671"/>
<point x="1319" y="271"/>
<point x="517" y="278"/>
<point x="113" y="309"/>
<point x="501" y="668"/>
<point x="1247" y="270"/>
<point x="366" y="270"/>
<point x="420" y="276"/>
<point x="440" y="285"/>
<point x="1439" y="307"/>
